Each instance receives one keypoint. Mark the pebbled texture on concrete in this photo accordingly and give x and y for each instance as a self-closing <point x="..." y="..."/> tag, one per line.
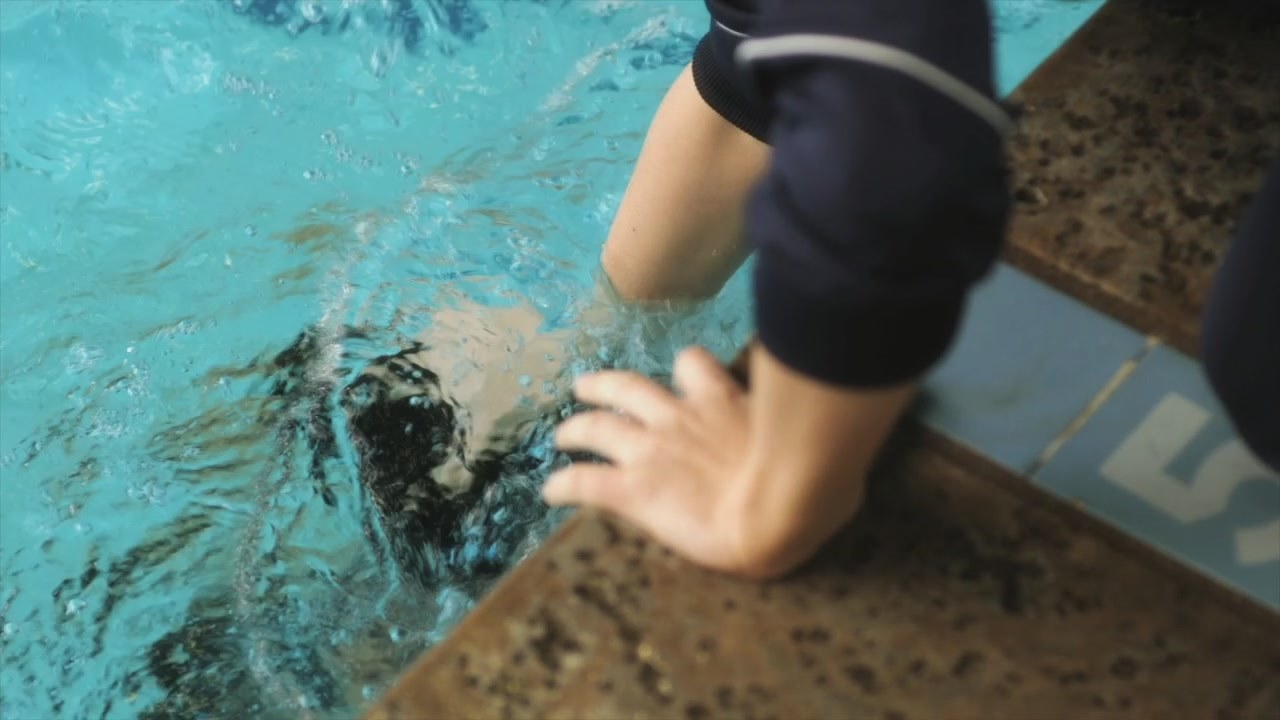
<point x="959" y="593"/>
<point x="1143" y="139"/>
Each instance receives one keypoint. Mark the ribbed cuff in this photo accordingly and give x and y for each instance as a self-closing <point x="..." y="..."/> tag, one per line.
<point x="871" y="344"/>
<point x="722" y="95"/>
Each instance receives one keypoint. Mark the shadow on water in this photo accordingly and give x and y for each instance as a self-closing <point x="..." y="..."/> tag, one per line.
<point x="247" y="649"/>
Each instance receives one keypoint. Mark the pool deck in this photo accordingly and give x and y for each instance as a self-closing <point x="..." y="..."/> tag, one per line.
<point x="961" y="593"/>
<point x="1028" y="550"/>
<point x="1142" y="140"/>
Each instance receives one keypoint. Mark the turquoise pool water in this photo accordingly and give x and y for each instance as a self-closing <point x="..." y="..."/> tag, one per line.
<point x="184" y="190"/>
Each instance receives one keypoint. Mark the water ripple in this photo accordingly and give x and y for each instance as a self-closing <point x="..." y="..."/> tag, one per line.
<point x="186" y="191"/>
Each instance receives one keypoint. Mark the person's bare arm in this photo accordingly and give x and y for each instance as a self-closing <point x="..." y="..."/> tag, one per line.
<point x="677" y="235"/>
<point x="747" y="484"/>
<point x="811" y="446"/>
<point x="883" y="203"/>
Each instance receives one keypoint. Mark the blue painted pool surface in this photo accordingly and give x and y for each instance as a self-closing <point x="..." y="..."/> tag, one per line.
<point x="184" y="189"/>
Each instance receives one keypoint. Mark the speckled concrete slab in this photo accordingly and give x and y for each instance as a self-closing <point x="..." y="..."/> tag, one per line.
<point x="1144" y="138"/>
<point x="960" y="593"/>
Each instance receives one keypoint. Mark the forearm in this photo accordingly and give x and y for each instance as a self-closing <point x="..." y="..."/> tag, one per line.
<point x="885" y="202"/>
<point x="677" y="234"/>
<point x="811" y="446"/>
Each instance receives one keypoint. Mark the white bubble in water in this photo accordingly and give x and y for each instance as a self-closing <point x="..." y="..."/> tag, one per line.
<point x="453" y="605"/>
<point x="147" y="492"/>
<point x="188" y="67"/>
<point x="81" y="358"/>
<point x="396" y="634"/>
<point x="313" y="11"/>
<point x="74" y="606"/>
<point x="180" y="328"/>
<point x="368" y="692"/>
<point x="250" y="230"/>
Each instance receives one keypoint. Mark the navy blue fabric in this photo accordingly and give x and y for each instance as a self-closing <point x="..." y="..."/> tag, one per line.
<point x="722" y="87"/>
<point x="885" y="202"/>
<point x="1240" y="340"/>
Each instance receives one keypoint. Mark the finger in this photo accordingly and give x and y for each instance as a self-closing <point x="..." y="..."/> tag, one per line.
<point x="604" y="433"/>
<point x="699" y="374"/>
<point x="632" y="393"/>
<point x="587" y="484"/>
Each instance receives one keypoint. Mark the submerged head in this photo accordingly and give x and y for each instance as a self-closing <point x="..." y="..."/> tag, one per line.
<point x="448" y="512"/>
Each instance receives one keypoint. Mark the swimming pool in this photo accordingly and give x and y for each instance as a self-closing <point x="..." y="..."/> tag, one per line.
<point x="213" y="218"/>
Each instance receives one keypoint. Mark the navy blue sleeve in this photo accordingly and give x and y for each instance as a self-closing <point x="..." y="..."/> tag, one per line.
<point x="1240" y="338"/>
<point x="886" y="199"/>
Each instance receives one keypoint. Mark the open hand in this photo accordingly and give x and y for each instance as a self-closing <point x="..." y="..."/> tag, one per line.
<point x="677" y="459"/>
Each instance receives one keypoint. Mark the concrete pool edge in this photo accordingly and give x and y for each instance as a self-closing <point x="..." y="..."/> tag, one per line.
<point x="1167" y="116"/>
<point x="496" y="634"/>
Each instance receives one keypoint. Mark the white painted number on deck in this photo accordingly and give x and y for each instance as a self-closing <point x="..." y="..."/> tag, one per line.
<point x="1140" y="465"/>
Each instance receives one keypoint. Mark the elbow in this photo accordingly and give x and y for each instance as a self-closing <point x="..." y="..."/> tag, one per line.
<point x="1216" y="354"/>
<point x="1247" y="393"/>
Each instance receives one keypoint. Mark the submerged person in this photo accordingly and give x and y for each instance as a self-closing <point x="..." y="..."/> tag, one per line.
<point x="447" y="484"/>
<point x="857" y="148"/>
<point x="448" y="467"/>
